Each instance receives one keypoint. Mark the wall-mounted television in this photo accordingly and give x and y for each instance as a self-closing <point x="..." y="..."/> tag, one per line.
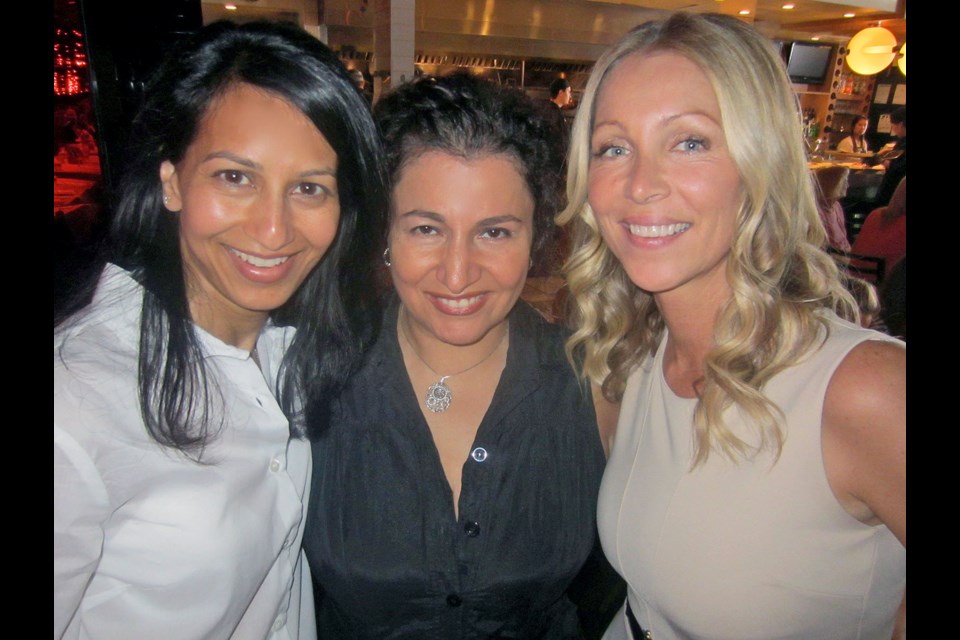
<point x="808" y="62"/>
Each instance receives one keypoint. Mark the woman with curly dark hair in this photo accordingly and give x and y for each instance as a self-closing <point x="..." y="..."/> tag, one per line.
<point x="457" y="493"/>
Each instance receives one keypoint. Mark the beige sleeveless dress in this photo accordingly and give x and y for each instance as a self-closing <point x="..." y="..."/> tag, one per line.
<point x="742" y="551"/>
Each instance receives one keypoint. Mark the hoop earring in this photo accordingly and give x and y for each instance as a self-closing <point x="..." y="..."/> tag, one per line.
<point x="386" y="257"/>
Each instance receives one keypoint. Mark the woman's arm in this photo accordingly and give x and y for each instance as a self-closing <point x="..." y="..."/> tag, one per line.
<point x="865" y="435"/>
<point x="607" y="415"/>
<point x="80" y="506"/>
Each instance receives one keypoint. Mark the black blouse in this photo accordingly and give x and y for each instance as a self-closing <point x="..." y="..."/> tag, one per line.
<point x="381" y="538"/>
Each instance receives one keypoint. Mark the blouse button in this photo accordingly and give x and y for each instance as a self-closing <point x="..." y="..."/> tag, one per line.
<point x="472" y="529"/>
<point x="274" y="465"/>
<point x="479" y="454"/>
<point x="454" y="600"/>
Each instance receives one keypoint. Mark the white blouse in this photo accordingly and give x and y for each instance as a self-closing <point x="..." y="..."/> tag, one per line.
<point x="148" y="543"/>
<point x="847" y="145"/>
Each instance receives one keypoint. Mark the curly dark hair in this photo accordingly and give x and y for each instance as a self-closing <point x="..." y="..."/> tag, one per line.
<point x="468" y="116"/>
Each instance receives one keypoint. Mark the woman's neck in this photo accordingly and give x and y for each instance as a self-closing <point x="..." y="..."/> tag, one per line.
<point x="691" y="326"/>
<point x="239" y="329"/>
<point x="690" y="339"/>
<point x="446" y="358"/>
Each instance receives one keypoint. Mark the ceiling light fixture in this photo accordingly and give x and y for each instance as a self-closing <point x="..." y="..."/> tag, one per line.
<point x="230" y="7"/>
<point x="849" y="15"/>
<point x="871" y="50"/>
<point x="788" y="6"/>
<point x="744" y="12"/>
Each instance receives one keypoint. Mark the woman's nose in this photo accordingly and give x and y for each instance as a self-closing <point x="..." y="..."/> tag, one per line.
<point x="458" y="268"/>
<point x="645" y="180"/>
<point x="270" y="222"/>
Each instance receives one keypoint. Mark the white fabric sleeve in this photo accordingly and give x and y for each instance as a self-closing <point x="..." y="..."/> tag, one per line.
<point x="80" y="506"/>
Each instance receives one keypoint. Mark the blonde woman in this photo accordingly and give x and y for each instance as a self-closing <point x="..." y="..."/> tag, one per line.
<point x="756" y="485"/>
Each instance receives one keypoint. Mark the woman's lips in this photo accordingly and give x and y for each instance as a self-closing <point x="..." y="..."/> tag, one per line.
<point x="657" y="230"/>
<point x="257" y="261"/>
<point x="457" y="306"/>
<point x="653" y="236"/>
<point x="261" y="269"/>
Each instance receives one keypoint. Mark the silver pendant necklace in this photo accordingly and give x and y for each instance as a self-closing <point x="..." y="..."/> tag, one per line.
<point x="439" y="395"/>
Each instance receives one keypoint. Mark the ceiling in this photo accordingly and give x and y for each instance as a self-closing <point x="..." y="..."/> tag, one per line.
<point x="566" y="30"/>
<point x="824" y="19"/>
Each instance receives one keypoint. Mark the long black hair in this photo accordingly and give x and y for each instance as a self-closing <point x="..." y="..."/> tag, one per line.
<point x="467" y="116"/>
<point x="334" y="318"/>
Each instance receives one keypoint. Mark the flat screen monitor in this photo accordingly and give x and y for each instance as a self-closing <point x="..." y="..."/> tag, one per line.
<point x="807" y="62"/>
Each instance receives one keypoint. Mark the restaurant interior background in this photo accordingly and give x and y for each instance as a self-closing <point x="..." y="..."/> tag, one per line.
<point x="104" y="50"/>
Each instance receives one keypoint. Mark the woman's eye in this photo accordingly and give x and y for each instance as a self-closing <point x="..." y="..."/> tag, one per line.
<point x="232" y="176"/>
<point x="497" y="233"/>
<point x="610" y="151"/>
<point x="692" y="144"/>
<point x="311" y="189"/>
<point x="424" y="230"/>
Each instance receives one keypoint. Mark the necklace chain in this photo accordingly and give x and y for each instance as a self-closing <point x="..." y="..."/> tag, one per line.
<point x="439" y="395"/>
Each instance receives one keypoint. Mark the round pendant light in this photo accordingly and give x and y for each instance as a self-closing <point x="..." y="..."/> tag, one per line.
<point x="902" y="62"/>
<point x="871" y="50"/>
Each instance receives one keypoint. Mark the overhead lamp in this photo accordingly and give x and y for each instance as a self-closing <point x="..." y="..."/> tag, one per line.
<point x="902" y="62"/>
<point x="871" y="50"/>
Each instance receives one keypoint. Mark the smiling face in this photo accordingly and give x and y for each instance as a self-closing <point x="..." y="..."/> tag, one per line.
<point x="662" y="184"/>
<point x="460" y="238"/>
<point x="256" y="195"/>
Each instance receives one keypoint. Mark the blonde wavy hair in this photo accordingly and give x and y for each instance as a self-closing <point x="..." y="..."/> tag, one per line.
<point x="780" y="276"/>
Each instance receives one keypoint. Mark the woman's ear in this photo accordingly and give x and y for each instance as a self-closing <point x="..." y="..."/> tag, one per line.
<point x="171" y="186"/>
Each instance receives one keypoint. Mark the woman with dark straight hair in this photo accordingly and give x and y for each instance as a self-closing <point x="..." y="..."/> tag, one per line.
<point x="221" y="317"/>
<point x="856" y="142"/>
